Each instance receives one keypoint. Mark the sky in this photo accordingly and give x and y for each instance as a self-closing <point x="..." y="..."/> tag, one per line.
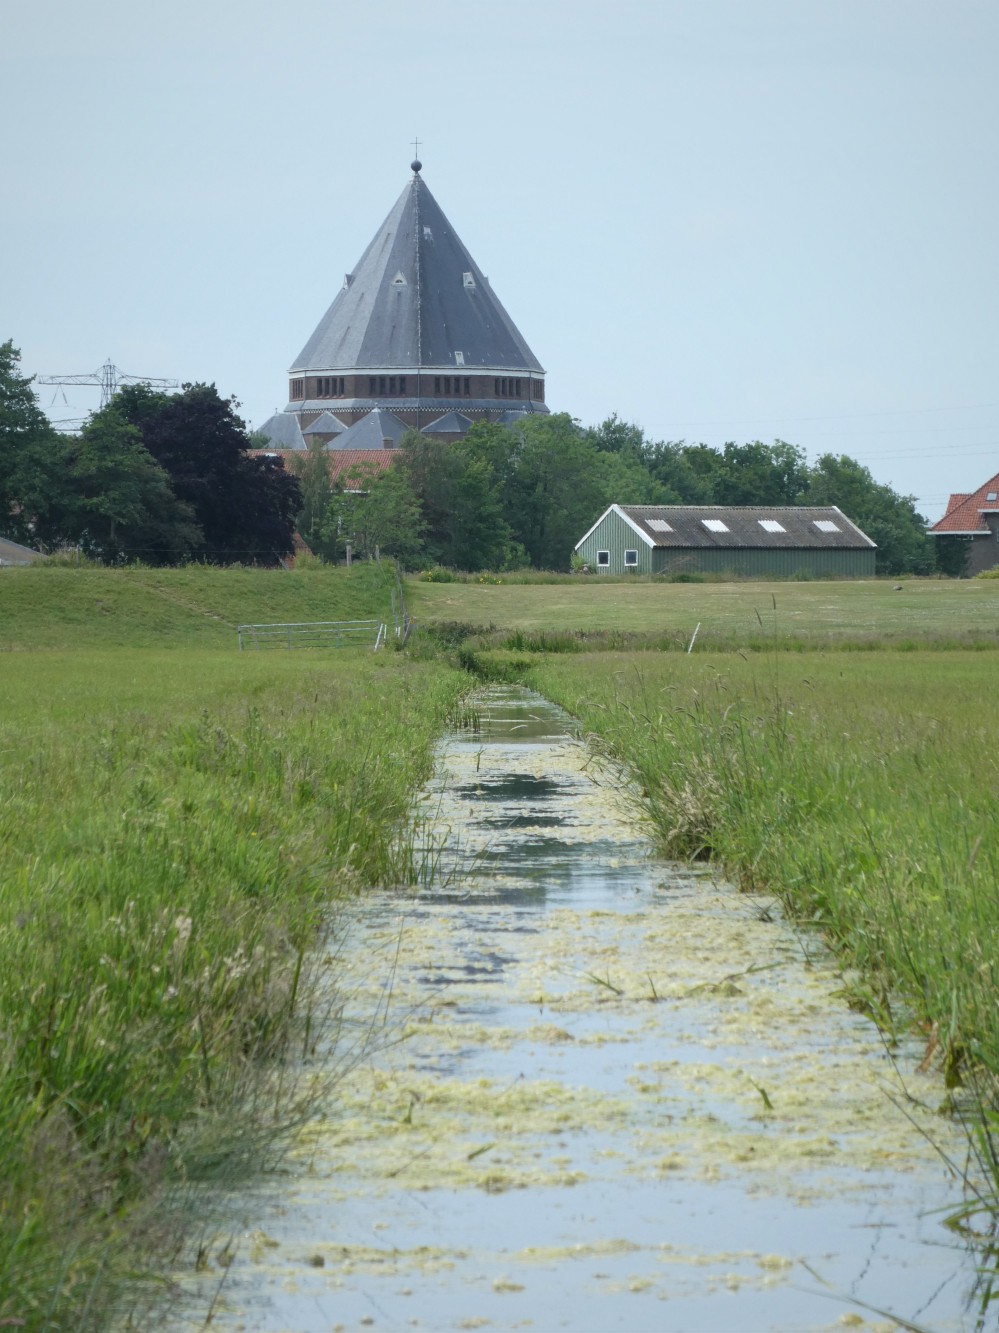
<point x="719" y="219"/>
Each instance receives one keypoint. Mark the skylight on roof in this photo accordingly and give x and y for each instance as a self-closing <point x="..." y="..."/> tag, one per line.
<point x="658" y="525"/>
<point x="468" y="279"/>
<point x="826" y="525"/>
<point x="992" y="495"/>
<point x="771" y="525"/>
<point x="714" y="525"/>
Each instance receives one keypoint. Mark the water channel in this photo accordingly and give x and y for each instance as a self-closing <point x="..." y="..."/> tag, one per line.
<point x="609" y="1092"/>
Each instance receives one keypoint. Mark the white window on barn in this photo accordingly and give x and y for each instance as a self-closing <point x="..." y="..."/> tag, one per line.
<point x="630" y="558"/>
<point x="658" y="525"/>
<point x="714" y="525"/>
<point x="771" y="525"/>
<point x="603" y="558"/>
<point x="826" y="525"/>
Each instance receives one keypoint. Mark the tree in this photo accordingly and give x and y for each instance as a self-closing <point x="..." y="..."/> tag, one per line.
<point x="761" y="474"/>
<point x="312" y="470"/>
<point x="388" y="518"/>
<point x="888" y="518"/>
<point x="459" y="495"/>
<point x="244" y="504"/>
<point x="29" y="448"/>
<point x="122" y="505"/>
<point x="952" y="552"/>
<point x="554" y="491"/>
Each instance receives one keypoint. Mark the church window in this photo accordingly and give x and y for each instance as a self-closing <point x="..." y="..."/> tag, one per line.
<point x="459" y="358"/>
<point x="298" y="388"/>
<point x="468" y="280"/>
<point x="468" y="387"/>
<point x="372" y="383"/>
<point x="496" y="389"/>
<point x="437" y="384"/>
<point x="402" y="384"/>
<point x="381" y="384"/>
<point x="392" y="384"/>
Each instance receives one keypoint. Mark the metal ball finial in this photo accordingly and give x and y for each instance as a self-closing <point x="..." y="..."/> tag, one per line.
<point x="416" y="164"/>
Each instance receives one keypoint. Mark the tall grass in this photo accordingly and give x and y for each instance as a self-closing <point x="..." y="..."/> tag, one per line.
<point x="862" y="789"/>
<point x="174" y="836"/>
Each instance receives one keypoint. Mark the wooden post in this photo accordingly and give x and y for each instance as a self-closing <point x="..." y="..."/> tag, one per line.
<point x="349" y="554"/>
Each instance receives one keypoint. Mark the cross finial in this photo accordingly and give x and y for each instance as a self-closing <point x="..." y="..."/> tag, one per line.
<point x="416" y="148"/>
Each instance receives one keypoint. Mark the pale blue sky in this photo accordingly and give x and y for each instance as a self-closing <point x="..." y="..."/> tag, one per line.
<point x="722" y="219"/>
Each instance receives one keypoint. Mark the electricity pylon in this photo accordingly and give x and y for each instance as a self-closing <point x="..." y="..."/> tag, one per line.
<point x="108" y="377"/>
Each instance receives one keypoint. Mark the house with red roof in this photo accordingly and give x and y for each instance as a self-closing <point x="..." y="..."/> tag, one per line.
<point x="973" y="519"/>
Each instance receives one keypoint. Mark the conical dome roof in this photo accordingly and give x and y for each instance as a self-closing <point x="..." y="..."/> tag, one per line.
<point x="416" y="299"/>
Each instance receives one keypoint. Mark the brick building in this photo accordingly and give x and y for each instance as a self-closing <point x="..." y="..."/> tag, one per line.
<point x="416" y="338"/>
<point x="972" y="519"/>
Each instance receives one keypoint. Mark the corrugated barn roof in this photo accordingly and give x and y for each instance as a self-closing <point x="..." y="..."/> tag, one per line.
<point x="668" y="526"/>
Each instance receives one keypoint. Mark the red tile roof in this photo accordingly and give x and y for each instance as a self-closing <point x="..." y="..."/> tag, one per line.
<point x="359" y="461"/>
<point x="964" y="512"/>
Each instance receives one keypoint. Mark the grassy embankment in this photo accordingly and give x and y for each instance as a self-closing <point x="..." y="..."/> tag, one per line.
<point x="177" y="821"/>
<point x="863" y="787"/>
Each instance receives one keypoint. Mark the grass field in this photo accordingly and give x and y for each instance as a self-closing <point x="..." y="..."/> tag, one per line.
<point x="808" y="614"/>
<point x="176" y="826"/>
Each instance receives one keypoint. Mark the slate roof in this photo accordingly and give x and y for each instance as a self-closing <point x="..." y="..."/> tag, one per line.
<point x="416" y="298"/>
<point x="283" y="431"/>
<point x="667" y="526"/>
<point x="326" y="424"/>
<point x="372" y="431"/>
<point x="965" y="512"/>
<point x="452" y="423"/>
<point x="13" y="553"/>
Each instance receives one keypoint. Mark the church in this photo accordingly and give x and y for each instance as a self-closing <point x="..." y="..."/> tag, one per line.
<point x="415" y="339"/>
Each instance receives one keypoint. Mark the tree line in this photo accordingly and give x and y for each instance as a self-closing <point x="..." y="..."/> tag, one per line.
<point x="508" y="497"/>
<point x="161" y="478"/>
<point x="167" y="478"/>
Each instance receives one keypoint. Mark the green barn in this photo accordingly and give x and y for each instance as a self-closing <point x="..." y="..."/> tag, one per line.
<point x="750" y="542"/>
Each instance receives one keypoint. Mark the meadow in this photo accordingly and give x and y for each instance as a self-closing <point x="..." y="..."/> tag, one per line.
<point x="179" y="822"/>
<point x="177" y="828"/>
<point x="616" y="612"/>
